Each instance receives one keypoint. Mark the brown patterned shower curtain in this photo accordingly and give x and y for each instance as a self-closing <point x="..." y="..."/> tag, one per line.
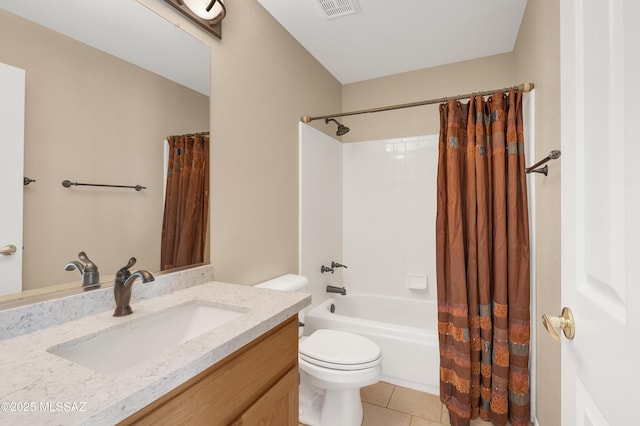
<point x="482" y="255"/>
<point x="186" y="206"/>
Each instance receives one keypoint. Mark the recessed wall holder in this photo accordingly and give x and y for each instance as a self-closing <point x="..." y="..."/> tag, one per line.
<point x="544" y="170"/>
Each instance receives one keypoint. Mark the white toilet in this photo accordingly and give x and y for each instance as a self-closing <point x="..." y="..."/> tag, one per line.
<point x="334" y="365"/>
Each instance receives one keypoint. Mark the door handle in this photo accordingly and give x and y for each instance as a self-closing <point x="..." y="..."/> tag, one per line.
<point x="8" y="250"/>
<point x="564" y="322"/>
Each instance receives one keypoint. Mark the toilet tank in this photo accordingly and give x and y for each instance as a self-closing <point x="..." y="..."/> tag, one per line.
<point x="288" y="282"/>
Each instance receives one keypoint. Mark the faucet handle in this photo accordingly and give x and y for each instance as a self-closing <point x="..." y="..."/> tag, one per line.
<point x="324" y="269"/>
<point x="337" y="265"/>
<point x="132" y="261"/>
<point x="89" y="265"/>
<point x="83" y="256"/>
<point x="124" y="273"/>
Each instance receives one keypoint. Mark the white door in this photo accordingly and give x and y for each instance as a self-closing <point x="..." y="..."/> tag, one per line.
<point x="12" y="91"/>
<point x="600" y="52"/>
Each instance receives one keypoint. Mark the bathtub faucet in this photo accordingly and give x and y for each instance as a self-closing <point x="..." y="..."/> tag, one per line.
<point x="337" y="265"/>
<point x="334" y="289"/>
<point x="324" y="269"/>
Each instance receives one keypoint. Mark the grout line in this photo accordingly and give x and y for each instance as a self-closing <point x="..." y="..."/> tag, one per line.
<point x="390" y="396"/>
<point x="439" y="422"/>
<point x="428" y="420"/>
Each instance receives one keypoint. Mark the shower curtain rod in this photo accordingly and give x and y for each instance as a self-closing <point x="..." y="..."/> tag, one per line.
<point x="189" y="135"/>
<point x="524" y="87"/>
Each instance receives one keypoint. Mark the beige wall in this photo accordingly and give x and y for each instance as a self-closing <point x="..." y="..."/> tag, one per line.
<point x="91" y="117"/>
<point x="537" y="59"/>
<point x="263" y="81"/>
<point x="493" y="72"/>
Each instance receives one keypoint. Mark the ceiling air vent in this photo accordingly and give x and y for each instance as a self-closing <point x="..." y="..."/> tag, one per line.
<point x="337" y="8"/>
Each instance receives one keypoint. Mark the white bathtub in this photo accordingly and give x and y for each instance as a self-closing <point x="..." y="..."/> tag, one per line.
<point x="405" y="329"/>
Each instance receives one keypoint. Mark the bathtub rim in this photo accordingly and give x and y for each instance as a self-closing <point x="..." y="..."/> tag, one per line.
<point x="322" y="310"/>
<point x="318" y="316"/>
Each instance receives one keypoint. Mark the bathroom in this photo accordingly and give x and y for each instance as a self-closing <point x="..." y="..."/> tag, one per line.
<point x="256" y="149"/>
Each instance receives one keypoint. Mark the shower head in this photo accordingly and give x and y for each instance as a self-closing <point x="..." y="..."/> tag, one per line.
<point x="342" y="129"/>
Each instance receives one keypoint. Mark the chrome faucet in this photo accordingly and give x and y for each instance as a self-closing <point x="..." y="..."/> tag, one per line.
<point x="334" y="289"/>
<point x="123" y="284"/>
<point x="88" y="271"/>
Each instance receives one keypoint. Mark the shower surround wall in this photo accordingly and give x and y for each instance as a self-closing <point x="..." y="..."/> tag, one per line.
<point x="320" y="206"/>
<point x="370" y="205"/>
<point x="388" y="211"/>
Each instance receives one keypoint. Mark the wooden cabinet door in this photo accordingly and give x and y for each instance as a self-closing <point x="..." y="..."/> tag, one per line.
<point x="260" y="371"/>
<point x="277" y="407"/>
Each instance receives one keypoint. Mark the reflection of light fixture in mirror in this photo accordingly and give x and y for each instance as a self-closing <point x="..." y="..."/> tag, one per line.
<point x="208" y="14"/>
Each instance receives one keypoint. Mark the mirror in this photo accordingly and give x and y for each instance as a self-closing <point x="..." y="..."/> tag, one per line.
<point x="98" y="115"/>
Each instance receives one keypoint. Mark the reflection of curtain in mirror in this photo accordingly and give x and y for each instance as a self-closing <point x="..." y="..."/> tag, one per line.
<point x="186" y="206"/>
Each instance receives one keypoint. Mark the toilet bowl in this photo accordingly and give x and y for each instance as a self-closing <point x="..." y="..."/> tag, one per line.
<point x="333" y="366"/>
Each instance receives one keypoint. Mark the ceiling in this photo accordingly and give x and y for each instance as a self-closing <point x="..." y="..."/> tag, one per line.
<point x="384" y="37"/>
<point x="128" y="30"/>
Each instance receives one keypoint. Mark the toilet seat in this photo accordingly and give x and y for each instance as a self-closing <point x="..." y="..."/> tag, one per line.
<point x="339" y="350"/>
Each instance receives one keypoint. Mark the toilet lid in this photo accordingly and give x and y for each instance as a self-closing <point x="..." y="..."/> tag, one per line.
<point x="339" y="350"/>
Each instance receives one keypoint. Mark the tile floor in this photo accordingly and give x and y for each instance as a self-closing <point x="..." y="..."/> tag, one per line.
<point x="385" y="404"/>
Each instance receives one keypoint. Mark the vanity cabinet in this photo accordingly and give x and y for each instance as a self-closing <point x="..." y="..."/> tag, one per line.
<point x="257" y="384"/>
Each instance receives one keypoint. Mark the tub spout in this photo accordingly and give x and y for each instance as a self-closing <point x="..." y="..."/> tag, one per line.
<point x="334" y="289"/>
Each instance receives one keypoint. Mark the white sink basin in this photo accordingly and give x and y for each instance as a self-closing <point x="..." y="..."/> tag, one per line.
<point x="121" y="347"/>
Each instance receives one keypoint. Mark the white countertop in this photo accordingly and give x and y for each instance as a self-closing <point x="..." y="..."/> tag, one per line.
<point x="39" y="388"/>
